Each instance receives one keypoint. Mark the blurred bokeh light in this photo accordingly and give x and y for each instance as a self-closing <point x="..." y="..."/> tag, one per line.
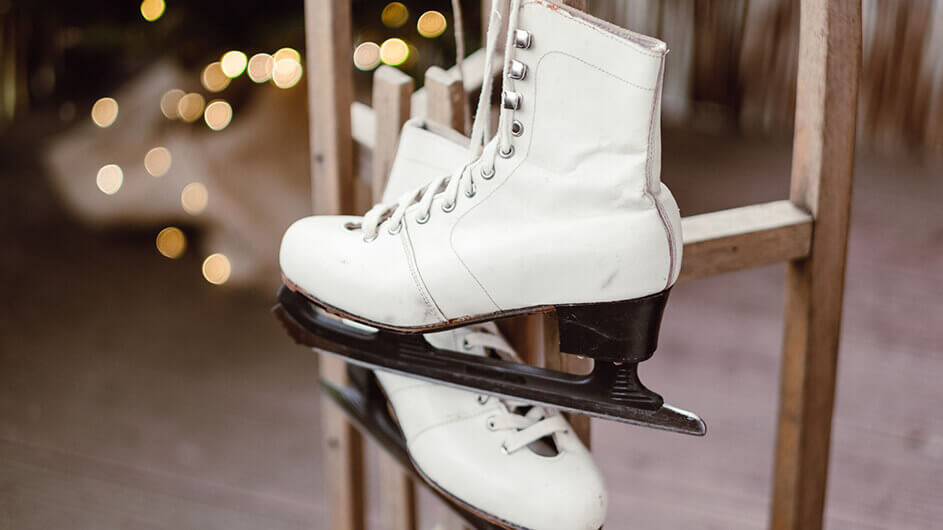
<point x="394" y="52"/>
<point x="171" y="242"/>
<point x="157" y="161"/>
<point x="109" y="179"/>
<point x="216" y="268"/>
<point x="394" y="15"/>
<point x="367" y="56"/>
<point x="105" y="112"/>
<point x="260" y="67"/>
<point x="194" y="198"/>
<point x="218" y="114"/>
<point x="151" y="10"/>
<point x="431" y="24"/>
<point x="233" y="63"/>
<point x="190" y="107"/>
<point x="213" y="78"/>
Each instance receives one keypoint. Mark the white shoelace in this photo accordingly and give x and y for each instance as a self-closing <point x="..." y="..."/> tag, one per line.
<point x="464" y="177"/>
<point x="527" y="425"/>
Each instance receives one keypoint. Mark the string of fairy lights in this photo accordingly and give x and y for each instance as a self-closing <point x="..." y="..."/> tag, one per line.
<point x="282" y="69"/>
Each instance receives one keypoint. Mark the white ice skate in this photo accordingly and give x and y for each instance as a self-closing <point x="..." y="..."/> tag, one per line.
<point x="562" y="211"/>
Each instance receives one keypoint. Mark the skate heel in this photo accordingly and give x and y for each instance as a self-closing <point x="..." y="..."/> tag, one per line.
<point x="623" y="331"/>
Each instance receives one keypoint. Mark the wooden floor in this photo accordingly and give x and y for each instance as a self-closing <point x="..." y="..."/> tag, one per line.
<point x="135" y="395"/>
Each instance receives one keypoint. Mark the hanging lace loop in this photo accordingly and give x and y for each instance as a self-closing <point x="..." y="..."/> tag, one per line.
<point x="462" y="178"/>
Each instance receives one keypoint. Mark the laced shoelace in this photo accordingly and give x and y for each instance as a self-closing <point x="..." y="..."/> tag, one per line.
<point x="527" y="423"/>
<point x="463" y="178"/>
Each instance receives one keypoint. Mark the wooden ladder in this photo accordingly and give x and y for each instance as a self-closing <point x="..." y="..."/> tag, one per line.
<point x="809" y="231"/>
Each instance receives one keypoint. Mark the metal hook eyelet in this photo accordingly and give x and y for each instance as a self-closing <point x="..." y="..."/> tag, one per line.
<point x="394" y="229"/>
<point x="424" y="219"/>
<point x="507" y="154"/>
<point x="522" y="39"/>
<point x="486" y="174"/>
<point x="517" y="70"/>
<point x="517" y="128"/>
<point x="511" y="100"/>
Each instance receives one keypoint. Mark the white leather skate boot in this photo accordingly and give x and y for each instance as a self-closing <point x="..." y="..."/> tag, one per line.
<point x="564" y="206"/>
<point x="517" y="465"/>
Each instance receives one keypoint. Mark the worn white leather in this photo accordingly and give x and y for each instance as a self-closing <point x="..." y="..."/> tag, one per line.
<point x="449" y="439"/>
<point x="447" y="430"/>
<point x="577" y="214"/>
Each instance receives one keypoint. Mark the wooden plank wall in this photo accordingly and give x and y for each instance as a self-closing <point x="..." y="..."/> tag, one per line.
<point x="734" y="64"/>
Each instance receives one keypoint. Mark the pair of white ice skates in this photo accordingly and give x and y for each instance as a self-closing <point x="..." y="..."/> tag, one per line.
<point x="563" y="210"/>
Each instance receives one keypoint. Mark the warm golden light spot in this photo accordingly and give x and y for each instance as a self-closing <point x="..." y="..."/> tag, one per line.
<point x="394" y="52"/>
<point x="105" y="112"/>
<point x="169" y="102"/>
<point x="287" y="73"/>
<point x="431" y="24"/>
<point x="157" y="161"/>
<point x="367" y="56"/>
<point x="151" y="10"/>
<point x="216" y="268"/>
<point x="190" y="107"/>
<point x="171" y="242"/>
<point x="109" y="179"/>
<point x="287" y="53"/>
<point x="218" y="114"/>
<point x="233" y="63"/>
<point x="394" y="15"/>
<point x="213" y="78"/>
<point x="260" y="67"/>
<point x="194" y="198"/>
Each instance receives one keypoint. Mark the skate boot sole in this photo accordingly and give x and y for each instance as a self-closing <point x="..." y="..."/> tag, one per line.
<point x="611" y="391"/>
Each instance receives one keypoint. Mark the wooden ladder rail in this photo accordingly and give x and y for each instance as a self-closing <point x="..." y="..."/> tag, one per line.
<point x="809" y="231"/>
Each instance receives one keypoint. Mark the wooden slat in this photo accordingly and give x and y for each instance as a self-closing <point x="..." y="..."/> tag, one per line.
<point x="822" y="174"/>
<point x="445" y="98"/>
<point x="740" y="238"/>
<point x="327" y="30"/>
<point x="392" y="90"/>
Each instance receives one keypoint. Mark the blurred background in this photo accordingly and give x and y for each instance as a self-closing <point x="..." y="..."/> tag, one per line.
<point x="152" y="153"/>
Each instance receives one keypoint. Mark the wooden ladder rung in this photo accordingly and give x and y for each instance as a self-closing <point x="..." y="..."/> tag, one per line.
<point x="745" y="237"/>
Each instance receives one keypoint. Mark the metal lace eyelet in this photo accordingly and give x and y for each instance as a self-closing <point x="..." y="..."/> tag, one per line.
<point x="466" y="345"/>
<point x="511" y="100"/>
<point x="522" y="39"/>
<point x="491" y="424"/>
<point x="517" y="128"/>
<point x="471" y="193"/>
<point x="507" y="154"/>
<point x="504" y="449"/>
<point x="486" y="174"/>
<point x="517" y="70"/>
<point x="371" y="239"/>
<point x="482" y="399"/>
<point x="448" y="206"/>
<point x="394" y="229"/>
<point x="424" y="219"/>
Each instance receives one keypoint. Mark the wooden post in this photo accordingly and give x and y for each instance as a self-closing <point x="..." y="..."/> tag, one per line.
<point x="392" y="91"/>
<point x="822" y="172"/>
<point x="330" y="92"/>
<point x="445" y="98"/>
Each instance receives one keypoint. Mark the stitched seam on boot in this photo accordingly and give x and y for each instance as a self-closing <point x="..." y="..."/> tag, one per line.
<point x="650" y="181"/>
<point x="414" y="272"/>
